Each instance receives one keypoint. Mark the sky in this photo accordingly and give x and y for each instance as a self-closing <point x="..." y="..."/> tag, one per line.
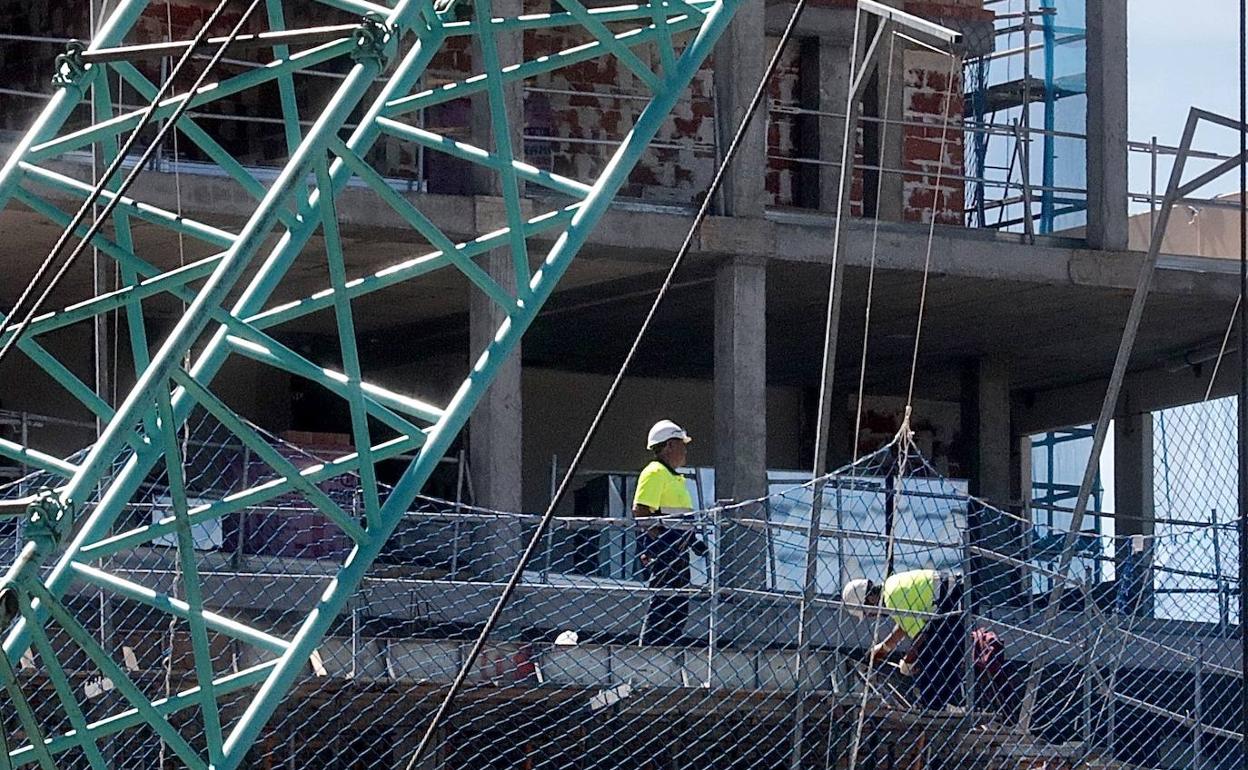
<point x="1181" y="55"/>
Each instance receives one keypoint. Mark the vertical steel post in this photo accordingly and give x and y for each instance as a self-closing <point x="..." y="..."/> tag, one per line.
<point x="241" y="544"/>
<point x="823" y="421"/>
<point x="1224" y="609"/>
<point x="1243" y="377"/>
<point x="1085" y="683"/>
<point x="455" y="525"/>
<point x="712" y="634"/>
<point x="355" y="642"/>
<point x="968" y="622"/>
<point x="1111" y="708"/>
<point x="1198" y="710"/>
<point x="1152" y="184"/>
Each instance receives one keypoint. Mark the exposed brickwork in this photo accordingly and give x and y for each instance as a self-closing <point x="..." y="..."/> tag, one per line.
<point x="593" y="105"/>
<point x="930" y="150"/>
<point x="574" y="117"/>
<point x="781" y="142"/>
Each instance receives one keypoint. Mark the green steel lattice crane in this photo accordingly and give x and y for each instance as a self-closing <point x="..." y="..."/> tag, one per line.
<point x="74" y="528"/>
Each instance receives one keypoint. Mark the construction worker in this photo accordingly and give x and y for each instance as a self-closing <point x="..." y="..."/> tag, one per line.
<point x="664" y="547"/>
<point x="937" y="654"/>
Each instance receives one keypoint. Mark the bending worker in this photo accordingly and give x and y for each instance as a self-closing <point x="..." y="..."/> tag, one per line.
<point x="937" y="653"/>
<point x="663" y="548"/>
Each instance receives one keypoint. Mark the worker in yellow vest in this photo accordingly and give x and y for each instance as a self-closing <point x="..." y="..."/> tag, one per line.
<point x="926" y="606"/>
<point x="663" y="545"/>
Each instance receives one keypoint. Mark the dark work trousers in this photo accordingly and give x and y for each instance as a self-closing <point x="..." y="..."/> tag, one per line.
<point x="667" y="551"/>
<point x="942" y="654"/>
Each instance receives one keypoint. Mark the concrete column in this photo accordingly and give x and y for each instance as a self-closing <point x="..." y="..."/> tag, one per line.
<point x="833" y="91"/>
<point x="890" y="104"/>
<point x="494" y="429"/>
<point x="1134" y="513"/>
<point x="741" y="408"/>
<point x="986" y="419"/>
<point x="741" y="58"/>
<point x="1107" y="124"/>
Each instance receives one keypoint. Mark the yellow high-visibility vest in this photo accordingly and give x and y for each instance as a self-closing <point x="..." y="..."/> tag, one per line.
<point x="907" y="592"/>
<point x="662" y="491"/>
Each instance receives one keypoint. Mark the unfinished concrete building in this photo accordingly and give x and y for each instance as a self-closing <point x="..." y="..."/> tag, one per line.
<point x="976" y="258"/>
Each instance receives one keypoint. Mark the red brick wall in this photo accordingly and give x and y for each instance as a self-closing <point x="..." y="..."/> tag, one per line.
<point x="593" y="105"/>
<point x="931" y="151"/>
<point x="781" y="171"/>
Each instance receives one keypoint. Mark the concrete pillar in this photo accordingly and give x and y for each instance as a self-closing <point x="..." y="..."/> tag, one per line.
<point x="1134" y="513"/>
<point x="889" y="101"/>
<point x="1107" y="124"/>
<point x="741" y="55"/>
<point x="494" y="429"/>
<point x="741" y="408"/>
<point x="833" y="91"/>
<point x="986" y="419"/>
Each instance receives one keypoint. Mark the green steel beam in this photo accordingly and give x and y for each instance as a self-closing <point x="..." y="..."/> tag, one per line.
<point x="161" y="283"/>
<point x="109" y="668"/>
<point x="346" y="341"/>
<point x="211" y="92"/>
<point x="257" y="495"/>
<point x="285" y="81"/>
<point x="64" y="690"/>
<point x="26" y="716"/>
<point x="605" y="36"/>
<point x="188" y="572"/>
<point x="403" y="271"/>
<point x="177" y="608"/>
<point x="133" y="717"/>
<point x="474" y="154"/>
<point x="380" y="401"/>
<point x="500" y="128"/>
<point x="213" y="236"/>
<point x="36" y="459"/>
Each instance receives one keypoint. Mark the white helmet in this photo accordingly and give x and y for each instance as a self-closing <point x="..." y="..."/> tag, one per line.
<point x="854" y="596"/>
<point x="664" y="431"/>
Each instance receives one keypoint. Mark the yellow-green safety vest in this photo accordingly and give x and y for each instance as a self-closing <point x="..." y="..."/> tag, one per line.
<point x="662" y="491"/>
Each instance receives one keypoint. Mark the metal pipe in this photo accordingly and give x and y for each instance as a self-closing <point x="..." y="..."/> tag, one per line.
<point x="1198" y="707"/>
<point x="1109" y="404"/>
<point x="1242" y="475"/>
<point x="911" y="22"/>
